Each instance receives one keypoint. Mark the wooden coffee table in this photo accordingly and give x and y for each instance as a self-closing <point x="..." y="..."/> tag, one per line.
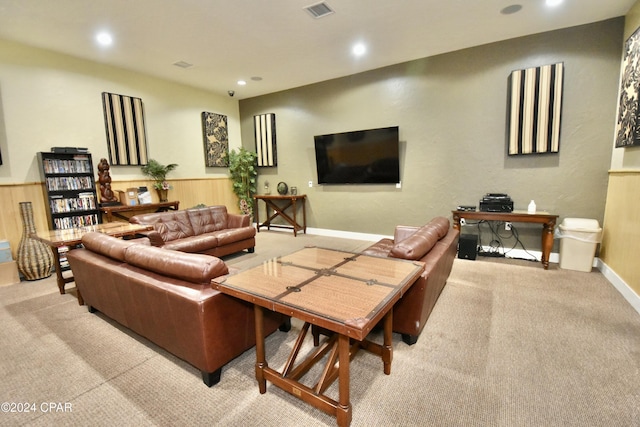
<point x="341" y="292"/>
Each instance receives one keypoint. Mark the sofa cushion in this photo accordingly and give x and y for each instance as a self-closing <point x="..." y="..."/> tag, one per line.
<point x="194" y="244"/>
<point x="419" y="243"/>
<point x="232" y="235"/>
<point x="171" y="225"/>
<point x="109" y="246"/>
<point x="195" y="268"/>
<point x="208" y="219"/>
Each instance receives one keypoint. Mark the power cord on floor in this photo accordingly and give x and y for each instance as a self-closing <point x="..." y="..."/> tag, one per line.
<point x="496" y="244"/>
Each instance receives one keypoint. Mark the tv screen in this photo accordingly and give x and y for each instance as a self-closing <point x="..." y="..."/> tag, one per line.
<point x="359" y="157"/>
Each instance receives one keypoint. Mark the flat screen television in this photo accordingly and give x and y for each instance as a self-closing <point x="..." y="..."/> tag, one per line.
<point x="369" y="156"/>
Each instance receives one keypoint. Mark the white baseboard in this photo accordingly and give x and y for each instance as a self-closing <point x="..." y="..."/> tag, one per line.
<point x="622" y="287"/>
<point x="527" y="255"/>
<point x="347" y="234"/>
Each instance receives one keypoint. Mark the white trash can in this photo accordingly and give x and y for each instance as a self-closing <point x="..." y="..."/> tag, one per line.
<point x="579" y="238"/>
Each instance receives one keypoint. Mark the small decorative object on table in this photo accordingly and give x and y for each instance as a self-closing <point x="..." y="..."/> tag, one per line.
<point x="159" y="173"/>
<point x="294" y="191"/>
<point x="283" y="188"/>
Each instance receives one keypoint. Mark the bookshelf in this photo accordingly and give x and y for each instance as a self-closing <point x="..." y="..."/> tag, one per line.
<point x="70" y="192"/>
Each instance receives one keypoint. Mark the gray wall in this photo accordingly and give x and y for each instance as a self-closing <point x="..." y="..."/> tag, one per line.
<point x="451" y="112"/>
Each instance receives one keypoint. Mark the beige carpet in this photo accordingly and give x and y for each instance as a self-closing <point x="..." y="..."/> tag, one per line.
<point x="508" y="344"/>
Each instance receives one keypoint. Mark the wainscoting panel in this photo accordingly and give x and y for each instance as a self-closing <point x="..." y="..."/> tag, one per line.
<point x="621" y="239"/>
<point x="190" y="192"/>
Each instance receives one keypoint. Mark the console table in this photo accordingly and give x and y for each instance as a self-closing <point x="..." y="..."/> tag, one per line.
<point x="290" y="201"/>
<point x="547" y="220"/>
<point x="118" y="210"/>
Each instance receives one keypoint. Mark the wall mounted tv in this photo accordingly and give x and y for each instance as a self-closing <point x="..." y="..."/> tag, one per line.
<point x="360" y="157"/>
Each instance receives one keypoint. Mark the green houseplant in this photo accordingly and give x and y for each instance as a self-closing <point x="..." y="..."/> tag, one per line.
<point x="244" y="173"/>
<point x="158" y="172"/>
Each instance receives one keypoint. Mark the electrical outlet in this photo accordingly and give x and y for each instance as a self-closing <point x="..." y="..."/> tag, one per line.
<point x="310" y="184"/>
<point x="507" y="226"/>
<point x="463" y="222"/>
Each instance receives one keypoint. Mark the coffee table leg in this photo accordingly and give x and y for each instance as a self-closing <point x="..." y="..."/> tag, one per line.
<point x="343" y="411"/>
<point x="387" y="348"/>
<point x="261" y="361"/>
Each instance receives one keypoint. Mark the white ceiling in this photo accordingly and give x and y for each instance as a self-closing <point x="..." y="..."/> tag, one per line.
<point x="228" y="40"/>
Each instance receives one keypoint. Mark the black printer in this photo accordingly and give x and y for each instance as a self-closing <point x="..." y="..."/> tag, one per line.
<point x="496" y="202"/>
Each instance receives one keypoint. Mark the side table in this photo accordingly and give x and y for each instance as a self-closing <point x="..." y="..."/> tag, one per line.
<point x="280" y="204"/>
<point x="73" y="236"/>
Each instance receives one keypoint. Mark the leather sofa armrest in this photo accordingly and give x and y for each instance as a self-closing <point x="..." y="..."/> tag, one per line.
<point x="238" y="220"/>
<point x="403" y="231"/>
<point x="154" y="237"/>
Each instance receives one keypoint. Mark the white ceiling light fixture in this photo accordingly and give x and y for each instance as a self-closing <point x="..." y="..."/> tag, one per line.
<point x="359" y="49"/>
<point x="554" y="3"/>
<point x="104" y="39"/>
<point x="319" y="10"/>
<point x="242" y="82"/>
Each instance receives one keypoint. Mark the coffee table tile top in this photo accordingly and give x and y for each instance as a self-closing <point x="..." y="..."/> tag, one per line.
<point x="341" y="287"/>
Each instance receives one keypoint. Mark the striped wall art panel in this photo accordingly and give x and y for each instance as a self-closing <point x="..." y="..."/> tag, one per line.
<point x="534" y="109"/>
<point x="126" y="134"/>
<point x="265" y="132"/>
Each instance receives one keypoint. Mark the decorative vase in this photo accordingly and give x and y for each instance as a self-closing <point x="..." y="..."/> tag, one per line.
<point x="34" y="257"/>
<point x="162" y="195"/>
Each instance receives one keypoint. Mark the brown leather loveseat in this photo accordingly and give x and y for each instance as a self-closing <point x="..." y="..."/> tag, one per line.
<point x="435" y="244"/>
<point x="166" y="297"/>
<point x="210" y="230"/>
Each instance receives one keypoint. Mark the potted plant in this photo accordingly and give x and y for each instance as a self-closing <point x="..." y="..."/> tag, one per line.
<point x="158" y="172"/>
<point x="244" y="173"/>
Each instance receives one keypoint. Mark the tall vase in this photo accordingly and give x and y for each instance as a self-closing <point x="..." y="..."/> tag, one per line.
<point x="163" y="195"/>
<point x="35" y="259"/>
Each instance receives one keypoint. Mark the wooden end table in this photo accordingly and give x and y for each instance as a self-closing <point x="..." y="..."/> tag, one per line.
<point x="342" y="292"/>
<point x="118" y="210"/>
<point x="279" y="210"/>
<point x="73" y="236"/>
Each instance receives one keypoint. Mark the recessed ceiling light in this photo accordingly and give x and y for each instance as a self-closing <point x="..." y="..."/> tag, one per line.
<point x="359" y="49"/>
<point x="256" y="78"/>
<point x="242" y="82"/>
<point x="104" y="39"/>
<point x="514" y="8"/>
<point x="554" y="3"/>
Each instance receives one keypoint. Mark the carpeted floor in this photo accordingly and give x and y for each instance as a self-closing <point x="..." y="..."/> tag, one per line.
<point x="508" y="344"/>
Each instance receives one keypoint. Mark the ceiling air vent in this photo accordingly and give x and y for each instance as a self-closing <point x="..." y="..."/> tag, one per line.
<point x="319" y="10"/>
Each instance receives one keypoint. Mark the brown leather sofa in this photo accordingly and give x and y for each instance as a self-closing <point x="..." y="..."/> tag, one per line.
<point x="210" y="230"/>
<point x="166" y="297"/>
<point x="436" y="245"/>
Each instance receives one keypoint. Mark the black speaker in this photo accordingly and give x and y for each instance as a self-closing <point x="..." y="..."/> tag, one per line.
<point x="468" y="246"/>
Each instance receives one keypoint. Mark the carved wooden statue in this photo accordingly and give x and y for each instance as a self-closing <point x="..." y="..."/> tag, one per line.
<point x="107" y="195"/>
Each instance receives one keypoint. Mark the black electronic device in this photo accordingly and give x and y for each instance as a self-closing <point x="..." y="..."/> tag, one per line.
<point x="70" y="150"/>
<point x="496" y="202"/>
<point x="468" y="246"/>
<point x="361" y="157"/>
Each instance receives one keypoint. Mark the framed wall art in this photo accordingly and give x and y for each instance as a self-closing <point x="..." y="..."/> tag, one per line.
<point x="534" y="108"/>
<point x="125" y="128"/>
<point x="628" y="124"/>
<point x="216" y="139"/>
<point x="265" y="133"/>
